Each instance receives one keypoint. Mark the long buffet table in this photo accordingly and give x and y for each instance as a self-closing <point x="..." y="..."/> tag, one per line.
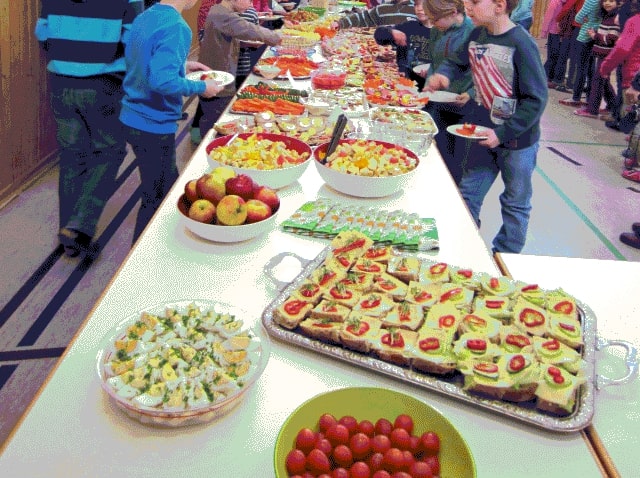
<point x="72" y="428"/>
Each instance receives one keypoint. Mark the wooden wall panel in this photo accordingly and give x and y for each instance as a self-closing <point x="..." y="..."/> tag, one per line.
<point x="539" y="7"/>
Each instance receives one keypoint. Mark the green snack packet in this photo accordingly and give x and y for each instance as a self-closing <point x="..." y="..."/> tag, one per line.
<point x="392" y="227"/>
<point x="307" y="217"/>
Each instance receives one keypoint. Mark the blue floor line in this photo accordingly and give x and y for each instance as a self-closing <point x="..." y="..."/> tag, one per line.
<point x="617" y="254"/>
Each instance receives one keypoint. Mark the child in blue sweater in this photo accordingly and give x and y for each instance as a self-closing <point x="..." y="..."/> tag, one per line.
<point x="154" y="86"/>
<point x="511" y="94"/>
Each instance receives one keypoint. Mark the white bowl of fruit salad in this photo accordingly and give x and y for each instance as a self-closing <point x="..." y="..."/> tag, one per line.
<point x="366" y="168"/>
<point x="181" y="363"/>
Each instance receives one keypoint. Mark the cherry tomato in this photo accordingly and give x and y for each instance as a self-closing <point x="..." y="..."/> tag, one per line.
<point x="381" y="474"/>
<point x="375" y="461"/>
<point x="401" y="474"/>
<point x="430" y="443"/>
<point x="324" y="446"/>
<point x="366" y="427"/>
<point x="404" y="421"/>
<point x="295" y="462"/>
<point x="326" y="421"/>
<point x="359" y="470"/>
<point x="350" y="422"/>
<point x="306" y="440"/>
<point x="414" y="444"/>
<point x="324" y="475"/>
<point x="380" y="443"/>
<point x="400" y="438"/>
<point x="338" y="434"/>
<point x="420" y="469"/>
<point x="360" y="445"/>
<point x="340" y="473"/>
<point x="409" y="459"/>
<point x="342" y="456"/>
<point x="383" y="426"/>
<point x="434" y="464"/>
<point x="393" y="459"/>
<point x="318" y="462"/>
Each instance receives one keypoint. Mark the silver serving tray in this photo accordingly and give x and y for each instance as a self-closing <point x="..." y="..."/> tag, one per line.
<point x="452" y="387"/>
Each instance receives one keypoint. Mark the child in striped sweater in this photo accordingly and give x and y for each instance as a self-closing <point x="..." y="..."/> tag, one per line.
<point x="604" y="38"/>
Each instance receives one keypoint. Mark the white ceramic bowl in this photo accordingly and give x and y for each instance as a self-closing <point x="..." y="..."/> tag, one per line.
<point x="274" y="178"/>
<point x="220" y="233"/>
<point x="257" y="350"/>
<point x="362" y="186"/>
<point x="268" y="71"/>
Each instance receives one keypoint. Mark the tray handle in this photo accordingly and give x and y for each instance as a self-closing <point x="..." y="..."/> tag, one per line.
<point x="631" y="361"/>
<point x="275" y="261"/>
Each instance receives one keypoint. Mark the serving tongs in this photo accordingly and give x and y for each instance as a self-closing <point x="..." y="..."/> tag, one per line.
<point x="338" y="129"/>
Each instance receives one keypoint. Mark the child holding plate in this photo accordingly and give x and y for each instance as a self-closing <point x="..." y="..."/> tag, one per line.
<point x="154" y="87"/>
<point x="511" y="94"/>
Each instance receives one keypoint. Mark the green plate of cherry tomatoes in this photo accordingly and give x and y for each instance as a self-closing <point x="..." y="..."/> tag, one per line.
<point x="429" y="436"/>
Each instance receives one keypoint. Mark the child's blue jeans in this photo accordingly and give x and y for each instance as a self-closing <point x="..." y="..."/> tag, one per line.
<point x="516" y="169"/>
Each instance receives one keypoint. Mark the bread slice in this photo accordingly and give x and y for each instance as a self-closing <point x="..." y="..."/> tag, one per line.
<point x="359" y="331"/>
<point x="444" y="316"/>
<point x="494" y="306"/>
<point x="500" y="285"/>
<point x="523" y="371"/>
<point x="291" y="312"/>
<point x="561" y="303"/>
<point x="341" y="262"/>
<point x="566" y="330"/>
<point x="350" y="242"/>
<point x="484" y="377"/>
<point x="513" y="340"/>
<point x="378" y="253"/>
<point x="394" y="345"/>
<point x="308" y="291"/>
<point x="385" y="283"/>
<point x="530" y="318"/>
<point x="475" y="346"/>
<point x="532" y="293"/>
<point x="374" y="304"/>
<point x="404" y="315"/>
<point x="326" y="276"/>
<point x="457" y="295"/>
<point x="330" y="310"/>
<point x="369" y="267"/>
<point x="322" y="329"/>
<point x="431" y="271"/>
<point x="557" y="390"/>
<point x="342" y="294"/>
<point x="359" y="281"/>
<point x="552" y="351"/>
<point x="482" y="324"/>
<point x="421" y="294"/>
<point x="404" y="268"/>
<point x="464" y="276"/>
<point x="432" y="352"/>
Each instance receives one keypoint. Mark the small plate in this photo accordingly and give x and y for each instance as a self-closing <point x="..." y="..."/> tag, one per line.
<point x="441" y="96"/>
<point x="419" y="69"/>
<point x="479" y="133"/>
<point x="371" y="404"/>
<point x="221" y="77"/>
<point x="266" y="18"/>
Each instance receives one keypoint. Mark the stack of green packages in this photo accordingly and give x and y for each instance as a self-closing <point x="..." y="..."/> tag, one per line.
<point x="325" y="218"/>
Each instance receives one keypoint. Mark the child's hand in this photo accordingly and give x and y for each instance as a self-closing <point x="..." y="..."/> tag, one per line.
<point x="437" y="82"/>
<point x="462" y="99"/>
<point x="213" y="88"/>
<point x="492" y="140"/>
<point x="591" y="32"/>
<point x="399" y="38"/>
<point x="192" y="66"/>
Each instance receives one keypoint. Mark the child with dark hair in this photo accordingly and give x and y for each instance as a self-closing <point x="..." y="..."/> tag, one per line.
<point x="511" y="94"/>
<point x="604" y="38"/>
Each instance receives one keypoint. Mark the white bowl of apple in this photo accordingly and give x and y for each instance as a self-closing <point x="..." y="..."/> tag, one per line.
<point x="223" y="206"/>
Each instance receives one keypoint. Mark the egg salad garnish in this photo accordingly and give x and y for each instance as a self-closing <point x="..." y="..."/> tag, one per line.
<point x="369" y="158"/>
<point x="183" y="359"/>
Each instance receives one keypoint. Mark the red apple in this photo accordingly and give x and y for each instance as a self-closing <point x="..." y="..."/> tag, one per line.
<point x="202" y="210"/>
<point x="257" y="211"/>
<point x="231" y="210"/>
<point x="211" y="187"/>
<point x="268" y="196"/>
<point x="240" y="185"/>
<point x="190" y="191"/>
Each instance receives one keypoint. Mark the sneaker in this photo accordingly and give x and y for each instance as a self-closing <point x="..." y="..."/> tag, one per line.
<point x="635" y="227"/>
<point x="631" y="175"/>
<point x="584" y="112"/>
<point x="76" y="243"/>
<point x="606" y="117"/>
<point x="196" y="137"/>
<point x="563" y="89"/>
<point x="615" y="124"/>
<point x="569" y="102"/>
<point x="552" y="85"/>
<point x="630" y="239"/>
